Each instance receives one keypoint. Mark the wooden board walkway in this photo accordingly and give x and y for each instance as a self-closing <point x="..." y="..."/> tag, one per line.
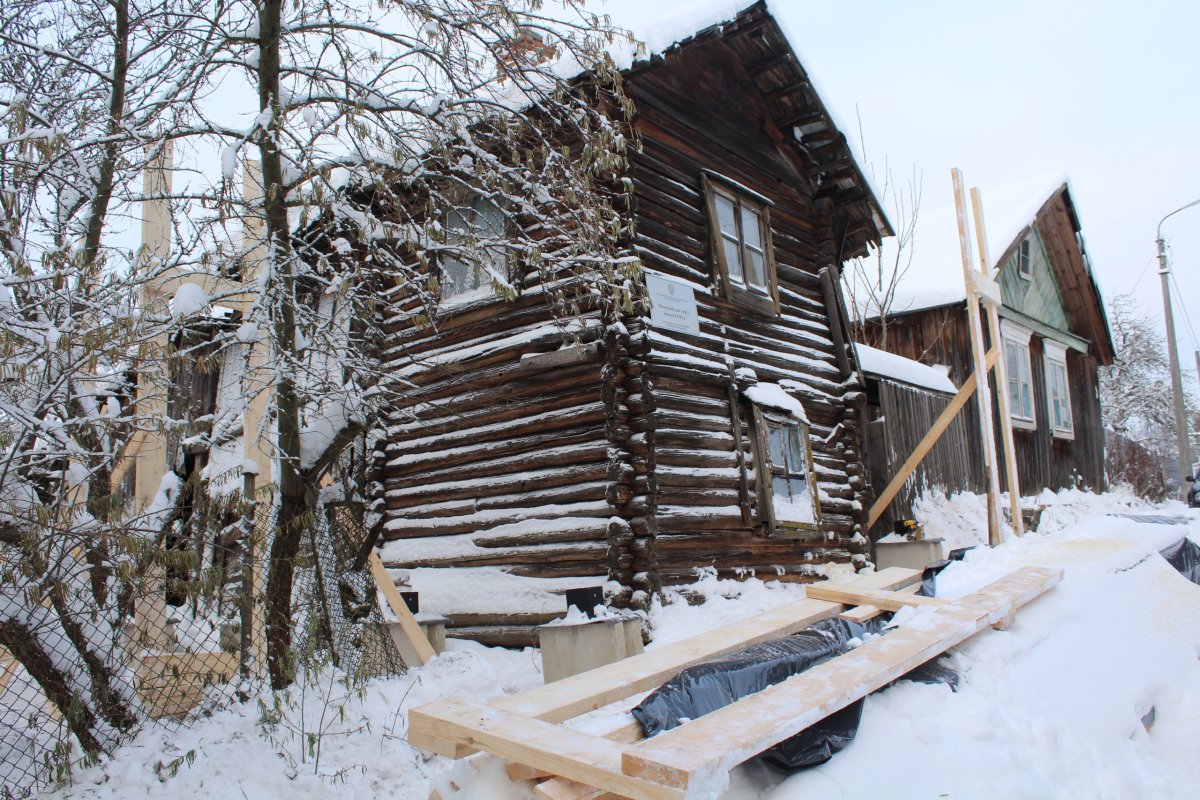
<point x="692" y="761"/>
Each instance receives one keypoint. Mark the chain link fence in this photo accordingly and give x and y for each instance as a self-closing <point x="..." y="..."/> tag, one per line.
<point x="104" y="631"/>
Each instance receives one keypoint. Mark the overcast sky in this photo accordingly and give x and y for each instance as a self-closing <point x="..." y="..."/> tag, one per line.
<point x="1017" y="94"/>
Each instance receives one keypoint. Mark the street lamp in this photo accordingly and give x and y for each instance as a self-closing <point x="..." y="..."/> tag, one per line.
<point x="1181" y="426"/>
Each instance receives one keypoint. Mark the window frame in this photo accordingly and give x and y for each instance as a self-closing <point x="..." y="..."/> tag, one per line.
<point x="469" y="238"/>
<point x="765" y="473"/>
<point x="764" y="300"/>
<point x="1025" y="258"/>
<point x="1054" y="354"/>
<point x="1019" y="338"/>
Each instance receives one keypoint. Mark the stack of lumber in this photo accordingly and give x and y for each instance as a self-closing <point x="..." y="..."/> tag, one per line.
<point x="692" y="762"/>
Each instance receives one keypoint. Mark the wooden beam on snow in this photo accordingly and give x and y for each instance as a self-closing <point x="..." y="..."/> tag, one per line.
<point x="851" y="596"/>
<point x="711" y="745"/>
<point x="578" y="756"/>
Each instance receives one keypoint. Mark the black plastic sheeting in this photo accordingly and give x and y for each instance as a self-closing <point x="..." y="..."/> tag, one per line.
<point x="703" y="688"/>
<point x="929" y="575"/>
<point x="706" y="687"/>
<point x="1184" y="556"/>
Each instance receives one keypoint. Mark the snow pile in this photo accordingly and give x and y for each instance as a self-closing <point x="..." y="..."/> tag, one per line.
<point x="1093" y="692"/>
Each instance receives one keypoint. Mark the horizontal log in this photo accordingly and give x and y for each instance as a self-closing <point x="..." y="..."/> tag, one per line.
<point x="514" y="636"/>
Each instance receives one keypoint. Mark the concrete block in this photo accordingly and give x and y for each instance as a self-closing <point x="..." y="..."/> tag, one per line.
<point x="434" y="628"/>
<point x="911" y="555"/>
<point x="571" y="648"/>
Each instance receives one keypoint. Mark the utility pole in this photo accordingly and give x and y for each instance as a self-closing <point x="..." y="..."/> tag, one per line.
<point x="1181" y="424"/>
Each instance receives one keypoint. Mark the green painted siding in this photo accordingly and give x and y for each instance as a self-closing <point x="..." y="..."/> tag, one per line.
<point x="1039" y="298"/>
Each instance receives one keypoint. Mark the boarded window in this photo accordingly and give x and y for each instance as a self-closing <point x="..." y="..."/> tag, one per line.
<point x="1020" y="375"/>
<point x="1058" y="393"/>
<point x="742" y="255"/>
<point x="477" y="261"/>
<point x="785" y="476"/>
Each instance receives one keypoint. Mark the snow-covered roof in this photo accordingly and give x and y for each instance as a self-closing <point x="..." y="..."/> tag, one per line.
<point x="890" y="365"/>
<point x="935" y="278"/>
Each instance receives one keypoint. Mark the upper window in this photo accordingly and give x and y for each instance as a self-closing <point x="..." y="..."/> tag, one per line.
<point x="786" y="486"/>
<point x="1025" y="258"/>
<point x="470" y="270"/>
<point x="740" y="227"/>
<point x="1020" y="374"/>
<point x="1058" y="393"/>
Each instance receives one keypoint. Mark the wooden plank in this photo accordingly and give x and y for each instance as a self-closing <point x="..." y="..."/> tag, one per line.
<point x="993" y="320"/>
<point x="929" y="440"/>
<point x="625" y="729"/>
<point x="10" y="668"/>
<point x="689" y="757"/>
<point x="408" y="623"/>
<point x="850" y="596"/>
<point x="599" y="687"/>
<point x="582" y="757"/>
<point x="217" y="664"/>
<point x="563" y="789"/>
<point x="986" y="434"/>
<point x="863" y="613"/>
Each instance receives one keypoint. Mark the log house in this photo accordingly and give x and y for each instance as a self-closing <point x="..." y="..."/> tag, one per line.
<point x="1056" y="339"/>
<point x="641" y="451"/>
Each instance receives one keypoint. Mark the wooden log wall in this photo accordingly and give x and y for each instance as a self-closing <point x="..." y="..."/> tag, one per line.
<point x="631" y="458"/>
<point x="705" y="516"/>
<point x="939" y="336"/>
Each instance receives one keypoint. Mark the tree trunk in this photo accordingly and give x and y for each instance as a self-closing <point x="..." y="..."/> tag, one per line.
<point x="19" y="640"/>
<point x="293" y="507"/>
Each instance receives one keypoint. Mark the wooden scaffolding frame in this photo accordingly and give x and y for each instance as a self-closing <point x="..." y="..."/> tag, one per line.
<point x="691" y="762"/>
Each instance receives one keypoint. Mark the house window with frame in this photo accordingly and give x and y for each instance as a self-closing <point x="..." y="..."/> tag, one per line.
<point x="743" y="257"/>
<point x="786" y="488"/>
<point x="1025" y="258"/>
<point x="1018" y="365"/>
<point x="1058" y="392"/>
<point x="474" y="230"/>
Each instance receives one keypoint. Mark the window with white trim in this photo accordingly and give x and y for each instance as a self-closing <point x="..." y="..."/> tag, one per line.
<point x="1058" y="391"/>
<point x="1019" y="367"/>
<point x="474" y="231"/>
<point x="743" y="258"/>
<point x="1025" y="258"/>
<point x="787" y="494"/>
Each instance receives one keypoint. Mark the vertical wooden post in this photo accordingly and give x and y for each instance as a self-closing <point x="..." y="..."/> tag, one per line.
<point x="1002" y="399"/>
<point x="149" y="446"/>
<point x="257" y="446"/>
<point x="979" y="358"/>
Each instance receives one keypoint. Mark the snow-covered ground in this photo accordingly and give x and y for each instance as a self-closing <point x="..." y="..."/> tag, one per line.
<point x="1056" y="706"/>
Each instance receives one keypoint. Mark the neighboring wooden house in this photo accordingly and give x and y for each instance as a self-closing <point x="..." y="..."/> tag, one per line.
<point x="1056" y="338"/>
<point x="904" y="399"/>
<point x="723" y="437"/>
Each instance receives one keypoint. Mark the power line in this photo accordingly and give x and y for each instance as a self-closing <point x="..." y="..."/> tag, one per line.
<point x="1183" y="308"/>
<point x="1149" y="261"/>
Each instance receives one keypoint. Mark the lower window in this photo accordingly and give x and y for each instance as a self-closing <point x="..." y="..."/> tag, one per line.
<point x="788" y="495"/>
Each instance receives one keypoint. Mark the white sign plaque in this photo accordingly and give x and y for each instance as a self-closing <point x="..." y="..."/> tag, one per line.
<point x="672" y="305"/>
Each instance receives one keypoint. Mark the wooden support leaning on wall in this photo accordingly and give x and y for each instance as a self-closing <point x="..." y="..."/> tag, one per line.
<point x="928" y="441"/>
<point x="974" y="284"/>
<point x="1002" y="399"/>
<point x="408" y="623"/>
